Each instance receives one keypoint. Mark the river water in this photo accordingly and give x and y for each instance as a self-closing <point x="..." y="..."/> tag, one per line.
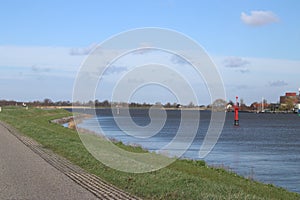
<point x="265" y="147"/>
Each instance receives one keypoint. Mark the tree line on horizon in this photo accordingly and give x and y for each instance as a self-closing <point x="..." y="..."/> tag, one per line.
<point x="96" y="103"/>
<point x="218" y="104"/>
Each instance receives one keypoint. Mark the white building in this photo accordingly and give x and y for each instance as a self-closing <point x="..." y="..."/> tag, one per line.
<point x="297" y="108"/>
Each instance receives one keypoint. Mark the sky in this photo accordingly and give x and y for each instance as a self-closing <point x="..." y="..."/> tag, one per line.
<point x="253" y="43"/>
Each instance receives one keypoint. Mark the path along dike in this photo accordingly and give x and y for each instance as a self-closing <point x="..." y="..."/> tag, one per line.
<point x="29" y="171"/>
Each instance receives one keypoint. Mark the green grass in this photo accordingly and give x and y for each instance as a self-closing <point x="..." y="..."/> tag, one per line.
<point x="184" y="179"/>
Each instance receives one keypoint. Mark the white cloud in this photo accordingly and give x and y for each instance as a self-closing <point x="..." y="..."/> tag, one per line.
<point x="112" y="70"/>
<point x="279" y="83"/>
<point x="259" y="18"/>
<point x="268" y="78"/>
<point x="176" y="59"/>
<point x="244" y="70"/>
<point x="40" y="67"/>
<point x="83" y="50"/>
<point x="42" y="57"/>
<point x="37" y="63"/>
<point x="235" y="62"/>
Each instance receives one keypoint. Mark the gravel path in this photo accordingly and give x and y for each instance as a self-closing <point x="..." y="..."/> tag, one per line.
<point x="28" y="171"/>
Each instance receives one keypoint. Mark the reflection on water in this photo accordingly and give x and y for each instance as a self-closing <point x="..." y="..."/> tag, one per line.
<point x="265" y="147"/>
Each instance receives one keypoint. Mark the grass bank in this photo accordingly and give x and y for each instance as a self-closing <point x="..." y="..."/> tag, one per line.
<point x="181" y="180"/>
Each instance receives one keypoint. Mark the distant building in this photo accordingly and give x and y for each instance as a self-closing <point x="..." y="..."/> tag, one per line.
<point x="259" y="106"/>
<point x="290" y="96"/>
<point x="274" y="106"/>
<point x="297" y="108"/>
<point x="229" y="108"/>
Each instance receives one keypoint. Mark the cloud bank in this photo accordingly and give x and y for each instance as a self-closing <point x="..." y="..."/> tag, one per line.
<point x="54" y="68"/>
<point x="259" y="18"/>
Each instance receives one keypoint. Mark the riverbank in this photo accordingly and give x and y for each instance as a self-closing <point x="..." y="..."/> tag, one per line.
<point x="71" y="120"/>
<point x="182" y="179"/>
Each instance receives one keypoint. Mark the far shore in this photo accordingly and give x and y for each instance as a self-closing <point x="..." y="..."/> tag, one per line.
<point x="164" y="108"/>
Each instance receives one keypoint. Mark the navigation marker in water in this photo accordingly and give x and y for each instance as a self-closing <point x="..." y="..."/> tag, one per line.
<point x="236" y="112"/>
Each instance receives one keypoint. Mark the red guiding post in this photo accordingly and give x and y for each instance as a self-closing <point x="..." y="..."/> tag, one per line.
<point x="236" y="113"/>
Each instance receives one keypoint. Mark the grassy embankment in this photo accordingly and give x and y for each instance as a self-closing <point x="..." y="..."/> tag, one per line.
<point x="181" y="180"/>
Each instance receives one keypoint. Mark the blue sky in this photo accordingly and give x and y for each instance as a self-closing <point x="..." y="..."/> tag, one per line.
<point x="255" y="44"/>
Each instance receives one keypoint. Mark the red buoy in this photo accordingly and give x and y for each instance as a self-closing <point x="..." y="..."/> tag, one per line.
<point x="236" y="113"/>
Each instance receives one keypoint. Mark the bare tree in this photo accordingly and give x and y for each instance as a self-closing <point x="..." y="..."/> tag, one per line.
<point x="219" y="105"/>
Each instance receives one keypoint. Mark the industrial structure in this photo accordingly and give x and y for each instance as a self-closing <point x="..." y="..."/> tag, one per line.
<point x="291" y="99"/>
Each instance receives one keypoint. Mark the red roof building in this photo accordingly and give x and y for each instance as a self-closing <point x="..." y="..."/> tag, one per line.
<point x="290" y="96"/>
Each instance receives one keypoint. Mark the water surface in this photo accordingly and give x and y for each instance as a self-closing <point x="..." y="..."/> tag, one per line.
<point x="265" y="147"/>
